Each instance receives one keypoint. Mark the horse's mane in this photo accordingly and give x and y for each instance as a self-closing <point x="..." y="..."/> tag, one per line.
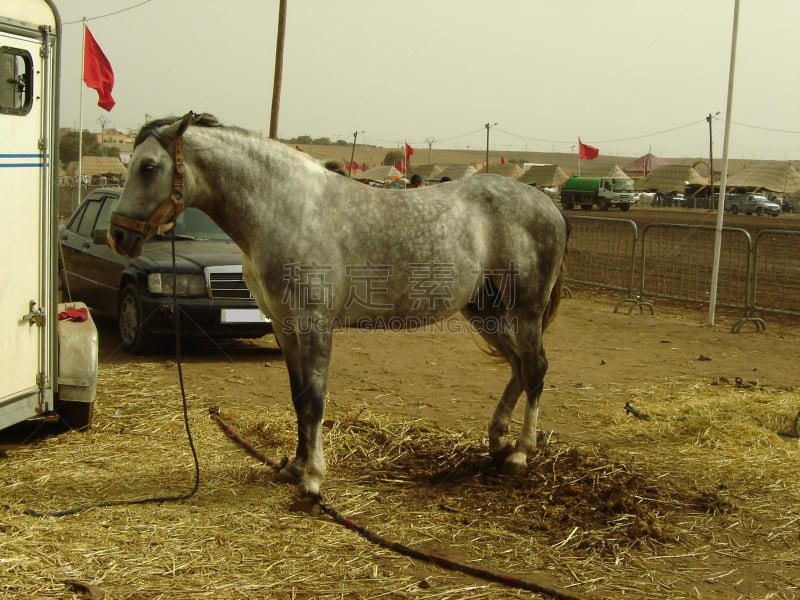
<point x="151" y="127"/>
<point x="154" y="126"/>
<point x="335" y="166"/>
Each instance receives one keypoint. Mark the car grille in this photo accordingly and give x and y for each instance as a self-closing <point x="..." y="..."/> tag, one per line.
<point x="227" y="283"/>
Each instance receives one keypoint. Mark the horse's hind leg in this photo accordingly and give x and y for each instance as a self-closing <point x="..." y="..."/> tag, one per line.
<point x="533" y="366"/>
<point x="499" y="445"/>
<point x="488" y="323"/>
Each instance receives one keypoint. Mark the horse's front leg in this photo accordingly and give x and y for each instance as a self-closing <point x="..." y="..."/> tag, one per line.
<point x="307" y="355"/>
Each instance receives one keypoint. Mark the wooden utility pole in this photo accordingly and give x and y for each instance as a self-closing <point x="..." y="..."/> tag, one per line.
<point x="276" y="85"/>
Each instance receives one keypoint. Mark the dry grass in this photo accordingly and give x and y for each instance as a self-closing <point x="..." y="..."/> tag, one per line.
<point x="701" y="501"/>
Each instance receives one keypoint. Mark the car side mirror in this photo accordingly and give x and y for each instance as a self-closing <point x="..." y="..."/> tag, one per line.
<point x="100" y="237"/>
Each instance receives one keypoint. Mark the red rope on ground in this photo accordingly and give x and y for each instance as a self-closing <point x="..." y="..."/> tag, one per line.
<point x="441" y="561"/>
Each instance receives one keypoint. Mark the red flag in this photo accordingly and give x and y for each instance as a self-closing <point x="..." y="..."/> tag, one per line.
<point x="354" y="166"/>
<point x="587" y="152"/>
<point x="97" y="71"/>
<point x="364" y="166"/>
<point x="502" y="160"/>
<point x="646" y="164"/>
<point x="409" y="151"/>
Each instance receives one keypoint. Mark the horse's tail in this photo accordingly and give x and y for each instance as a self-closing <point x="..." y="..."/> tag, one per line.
<point x="555" y="294"/>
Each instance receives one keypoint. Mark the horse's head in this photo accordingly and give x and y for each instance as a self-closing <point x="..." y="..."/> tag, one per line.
<point x="153" y="195"/>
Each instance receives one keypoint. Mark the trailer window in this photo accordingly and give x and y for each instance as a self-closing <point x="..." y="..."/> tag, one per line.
<point x="16" y="81"/>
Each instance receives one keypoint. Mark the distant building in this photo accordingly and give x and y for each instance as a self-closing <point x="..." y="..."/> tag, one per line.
<point x="98" y="170"/>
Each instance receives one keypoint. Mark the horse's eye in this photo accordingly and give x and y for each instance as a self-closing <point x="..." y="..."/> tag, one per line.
<point x="149" y="167"/>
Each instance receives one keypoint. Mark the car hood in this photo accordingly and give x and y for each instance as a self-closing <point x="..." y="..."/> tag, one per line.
<point x="190" y="255"/>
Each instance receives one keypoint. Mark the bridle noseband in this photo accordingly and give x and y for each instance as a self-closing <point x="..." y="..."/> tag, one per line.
<point x="171" y="207"/>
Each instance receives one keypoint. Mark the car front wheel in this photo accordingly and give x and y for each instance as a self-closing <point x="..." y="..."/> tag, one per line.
<point x="133" y="335"/>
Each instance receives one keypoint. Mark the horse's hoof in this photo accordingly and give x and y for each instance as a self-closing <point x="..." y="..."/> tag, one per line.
<point x="286" y="477"/>
<point x="306" y="504"/>
<point x="515" y="466"/>
<point x="289" y="474"/>
<point x="499" y="456"/>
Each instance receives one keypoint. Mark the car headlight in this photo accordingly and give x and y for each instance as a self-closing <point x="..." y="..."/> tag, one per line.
<point x="186" y="284"/>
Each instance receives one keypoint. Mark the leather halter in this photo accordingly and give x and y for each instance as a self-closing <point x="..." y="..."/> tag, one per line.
<point x="173" y="204"/>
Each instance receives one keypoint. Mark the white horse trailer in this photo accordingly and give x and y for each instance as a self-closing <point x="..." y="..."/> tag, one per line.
<point x="48" y="365"/>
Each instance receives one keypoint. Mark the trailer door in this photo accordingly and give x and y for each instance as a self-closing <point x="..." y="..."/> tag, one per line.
<point x="27" y="296"/>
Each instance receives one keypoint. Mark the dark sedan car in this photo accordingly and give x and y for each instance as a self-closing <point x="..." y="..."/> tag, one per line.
<point x="210" y="289"/>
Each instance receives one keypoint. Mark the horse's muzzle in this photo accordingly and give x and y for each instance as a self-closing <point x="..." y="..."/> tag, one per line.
<point x="125" y="242"/>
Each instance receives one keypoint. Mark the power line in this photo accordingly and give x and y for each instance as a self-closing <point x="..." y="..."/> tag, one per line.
<point x="111" y="14"/>
<point x="438" y="140"/>
<point x="764" y="128"/>
<point x="455" y="137"/>
<point x="628" y="139"/>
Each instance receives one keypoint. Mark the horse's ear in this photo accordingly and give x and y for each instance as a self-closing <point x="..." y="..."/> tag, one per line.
<point x="177" y="128"/>
<point x="185" y="121"/>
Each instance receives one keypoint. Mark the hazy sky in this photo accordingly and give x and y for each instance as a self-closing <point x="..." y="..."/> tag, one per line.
<point x="627" y="76"/>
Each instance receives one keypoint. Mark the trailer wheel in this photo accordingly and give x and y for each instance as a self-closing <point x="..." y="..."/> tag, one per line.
<point x="130" y="323"/>
<point x="567" y="204"/>
<point x="734" y="210"/>
<point x="75" y="415"/>
<point x="624" y="207"/>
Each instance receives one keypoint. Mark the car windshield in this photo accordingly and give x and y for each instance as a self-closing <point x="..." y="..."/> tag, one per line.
<point x="195" y="224"/>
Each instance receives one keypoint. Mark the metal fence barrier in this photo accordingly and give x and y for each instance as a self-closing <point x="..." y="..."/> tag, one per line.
<point x="776" y="273"/>
<point x="675" y="262"/>
<point x="602" y="253"/>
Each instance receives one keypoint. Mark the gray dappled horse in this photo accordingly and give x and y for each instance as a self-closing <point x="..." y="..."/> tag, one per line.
<point x="322" y="251"/>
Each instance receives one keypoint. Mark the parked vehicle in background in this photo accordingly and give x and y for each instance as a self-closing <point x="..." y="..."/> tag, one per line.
<point x="210" y="289"/>
<point x="605" y="192"/>
<point x="674" y="199"/>
<point x="751" y="204"/>
<point x="785" y="205"/>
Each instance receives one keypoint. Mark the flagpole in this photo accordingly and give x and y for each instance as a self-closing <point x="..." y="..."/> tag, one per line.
<point x="712" y="304"/>
<point x="352" y="154"/>
<point x="80" y="114"/>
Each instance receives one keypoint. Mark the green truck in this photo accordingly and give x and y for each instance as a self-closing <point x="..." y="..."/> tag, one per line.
<point x="605" y="192"/>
